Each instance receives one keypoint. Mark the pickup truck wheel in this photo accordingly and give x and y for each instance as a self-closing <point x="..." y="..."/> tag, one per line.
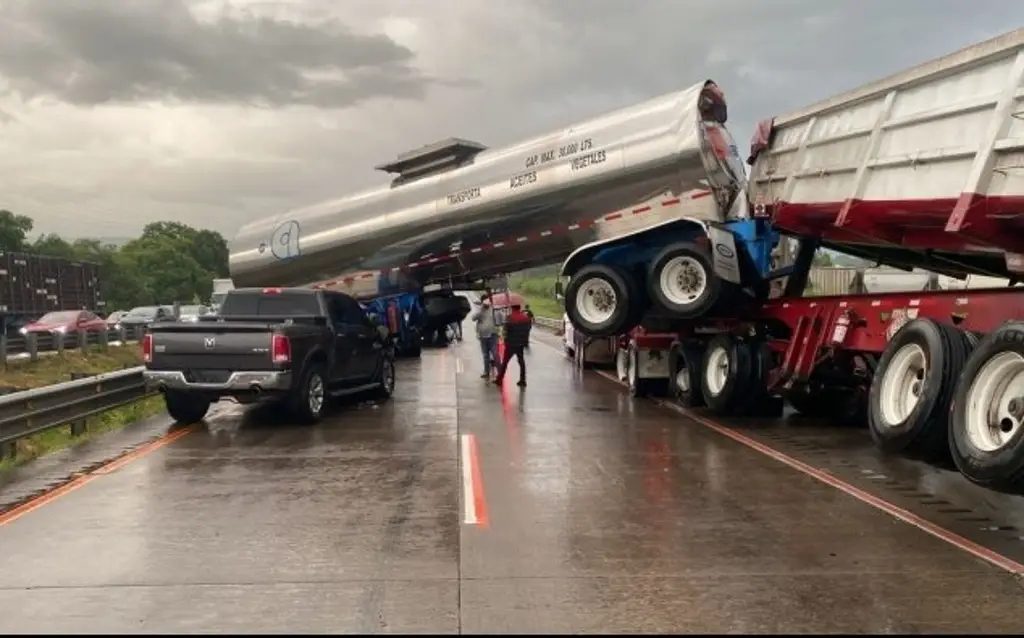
<point x="386" y="379"/>
<point x="309" y="398"/>
<point x="186" y="408"/>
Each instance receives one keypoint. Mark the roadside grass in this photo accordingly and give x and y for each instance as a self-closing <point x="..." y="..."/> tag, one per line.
<point x="23" y="374"/>
<point x="539" y="292"/>
<point x="60" y="438"/>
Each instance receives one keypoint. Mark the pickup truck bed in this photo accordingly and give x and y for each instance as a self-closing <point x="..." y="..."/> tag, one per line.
<point x="327" y="347"/>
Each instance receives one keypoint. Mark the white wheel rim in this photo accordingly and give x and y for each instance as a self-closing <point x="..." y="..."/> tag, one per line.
<point x="995" y="402"/>
<point x="316" y="394"/>
<point x="902" y="384"/>
<point x="621" y="365"/>
<point x="596" y="301"/>
<point x="683" y="280"/>
<point x="632" y="368"/>
<point x="683" y="379"/>
<point x="717" y="372"/>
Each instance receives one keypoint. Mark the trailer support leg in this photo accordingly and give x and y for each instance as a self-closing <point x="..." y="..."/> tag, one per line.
<point x="797" y="281"/>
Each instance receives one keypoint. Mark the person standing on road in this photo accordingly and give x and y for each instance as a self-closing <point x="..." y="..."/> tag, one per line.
<point x="517" y="337"/>
<point x="484" y="320"/>
<point x="529" y="313"/>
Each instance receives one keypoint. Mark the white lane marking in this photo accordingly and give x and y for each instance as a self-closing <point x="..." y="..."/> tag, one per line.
<point x="468" y="488"/>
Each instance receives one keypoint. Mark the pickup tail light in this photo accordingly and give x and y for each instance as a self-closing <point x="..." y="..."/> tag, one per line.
<point x="280" y="349"/>
<point x="147" y="348"/>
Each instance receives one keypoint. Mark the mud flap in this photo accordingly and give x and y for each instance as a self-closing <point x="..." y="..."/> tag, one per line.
<point x="723" y="255"/>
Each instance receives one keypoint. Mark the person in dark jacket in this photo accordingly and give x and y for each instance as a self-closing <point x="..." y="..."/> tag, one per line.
<point x="517" y="336"/>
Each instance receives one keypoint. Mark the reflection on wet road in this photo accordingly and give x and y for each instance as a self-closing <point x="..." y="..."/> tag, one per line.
<point x="457" y="507"/>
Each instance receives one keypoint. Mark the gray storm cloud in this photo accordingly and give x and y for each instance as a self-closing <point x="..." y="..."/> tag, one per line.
<point x="89" y="52"/>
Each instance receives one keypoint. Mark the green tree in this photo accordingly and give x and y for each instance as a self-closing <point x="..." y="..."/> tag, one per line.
<point x="54" y="246"/>
<point x="155" y="270"/>
<point x="822" y="259"/>
<point x="14" y="230"/>
<point x="206" y="247"/>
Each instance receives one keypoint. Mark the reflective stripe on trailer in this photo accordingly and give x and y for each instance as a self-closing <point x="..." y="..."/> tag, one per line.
<point x="430" y="260"/>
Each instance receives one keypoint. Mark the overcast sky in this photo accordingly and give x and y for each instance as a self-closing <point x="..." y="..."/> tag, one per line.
<point x="115" y="113"/>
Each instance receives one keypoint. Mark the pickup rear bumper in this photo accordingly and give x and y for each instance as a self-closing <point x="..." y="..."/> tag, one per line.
<point x="238" y="382"/>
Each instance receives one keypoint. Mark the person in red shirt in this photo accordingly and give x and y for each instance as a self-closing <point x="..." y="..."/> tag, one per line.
<point x="517" y="337"/>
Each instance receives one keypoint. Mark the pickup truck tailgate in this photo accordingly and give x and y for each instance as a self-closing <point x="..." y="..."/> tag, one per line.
<point x="215" y="351"/>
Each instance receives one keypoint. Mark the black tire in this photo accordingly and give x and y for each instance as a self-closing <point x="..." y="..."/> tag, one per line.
<point x="186" y="408"/>
<point x="923" y="433"/>
<point x="626" y="299"/>
<point x="299" y="401"/>
<point x="701" y="305"/>
<point x="762" y="362"/>
<point x="686" y="356"/>
<point x="1000" y="468"/>
<point x="385" y="377"/>
<point x="734" y="396"/>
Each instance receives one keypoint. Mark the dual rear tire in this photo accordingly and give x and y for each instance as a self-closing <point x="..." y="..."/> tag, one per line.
<point x="603" y="300"/>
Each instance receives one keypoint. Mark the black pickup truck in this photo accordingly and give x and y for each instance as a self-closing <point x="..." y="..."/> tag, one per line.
<point x="293" y="344"/>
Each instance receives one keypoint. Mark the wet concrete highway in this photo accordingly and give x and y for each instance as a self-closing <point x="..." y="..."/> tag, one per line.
<point x="459" y="507"/>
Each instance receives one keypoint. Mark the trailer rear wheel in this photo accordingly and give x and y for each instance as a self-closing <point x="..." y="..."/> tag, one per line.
<point x="912" y="389"/>
<point x="601" y="300"/>
<point x="681" y="280"/>
<point x="986" y="428"/>
<point x="726" y="375"/>
<point x="684" y="365"/>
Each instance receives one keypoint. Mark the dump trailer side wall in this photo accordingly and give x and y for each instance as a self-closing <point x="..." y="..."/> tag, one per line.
<point x="927" y="159"/>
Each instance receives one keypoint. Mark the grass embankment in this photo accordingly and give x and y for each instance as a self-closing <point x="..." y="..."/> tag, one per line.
<point x="24" y="374"/>
<point x="539" y="292"/>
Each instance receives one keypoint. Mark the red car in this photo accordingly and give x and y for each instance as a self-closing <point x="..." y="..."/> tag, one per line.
<point x="66" y="321"/>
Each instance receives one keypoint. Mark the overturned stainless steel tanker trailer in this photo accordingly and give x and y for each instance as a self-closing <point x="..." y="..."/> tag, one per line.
<point x="459" y="212"/>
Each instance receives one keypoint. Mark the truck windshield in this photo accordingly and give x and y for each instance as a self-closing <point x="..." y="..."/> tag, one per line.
<point x="282" y="304"/>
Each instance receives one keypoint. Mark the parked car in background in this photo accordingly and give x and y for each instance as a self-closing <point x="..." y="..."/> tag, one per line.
<point x="146" y="315"/>
<point x="114" y="319"/>
<point x="192" y="313"/>
<point x="65" y="321"/>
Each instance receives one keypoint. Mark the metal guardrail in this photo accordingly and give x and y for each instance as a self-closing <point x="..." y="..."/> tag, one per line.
<point x="30" y="412"/>
<point x="34" y="343"/>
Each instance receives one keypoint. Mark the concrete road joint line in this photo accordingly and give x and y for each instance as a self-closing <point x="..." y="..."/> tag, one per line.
<point x="961" y="543"/>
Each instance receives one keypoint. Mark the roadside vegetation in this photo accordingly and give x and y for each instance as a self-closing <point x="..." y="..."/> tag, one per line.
<point x="60" y="438"/>
<point x="539" y="291"/>
<point x="23" y="374"/>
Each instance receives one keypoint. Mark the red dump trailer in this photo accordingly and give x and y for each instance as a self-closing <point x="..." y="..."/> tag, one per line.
<point x="924" y="169"/>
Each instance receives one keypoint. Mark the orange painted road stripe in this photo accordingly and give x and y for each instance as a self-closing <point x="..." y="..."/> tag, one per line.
<point x="82" y="480"/>
<point x="480" y="501"/>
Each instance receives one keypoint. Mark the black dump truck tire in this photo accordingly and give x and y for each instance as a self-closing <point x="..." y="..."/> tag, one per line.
<point x="684" y="368"/>
<point x="681" y="281"/>
<point x="912" y="389"/>
<point x="988" y="445"/>
<point x="601" y="301"/>
<point x="728" y="375"/>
